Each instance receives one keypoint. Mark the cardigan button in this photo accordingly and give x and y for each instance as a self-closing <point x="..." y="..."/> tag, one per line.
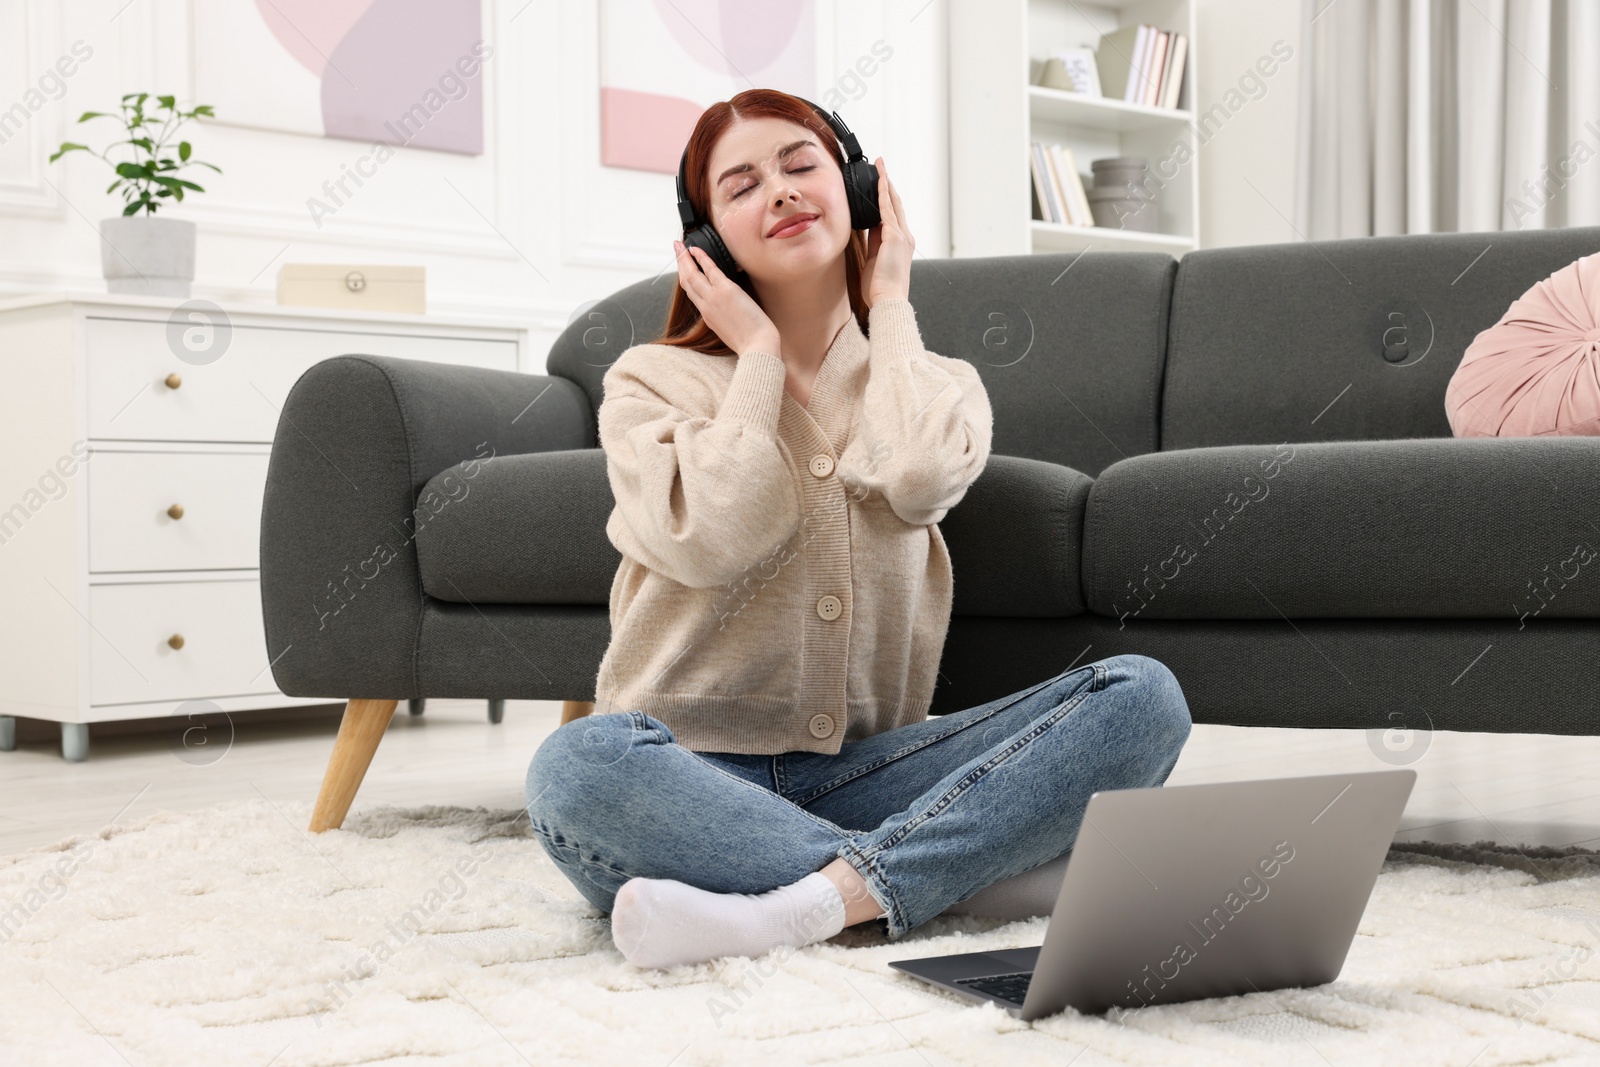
<point x="821" y="726"/>
<point x="829" y="607"/>
<point x="822" y="464"/>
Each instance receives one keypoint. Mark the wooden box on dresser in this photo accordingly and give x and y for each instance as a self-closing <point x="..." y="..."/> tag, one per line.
<point x="134" y="436"/>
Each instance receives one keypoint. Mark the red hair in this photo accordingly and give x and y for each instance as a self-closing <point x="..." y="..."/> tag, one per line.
<point x="685" y="327"/>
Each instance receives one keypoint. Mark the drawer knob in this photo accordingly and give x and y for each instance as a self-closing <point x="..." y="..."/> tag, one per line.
<point x="175" y="641"/>
<point x="175" y="511"/>
<point x="174" y="380"/>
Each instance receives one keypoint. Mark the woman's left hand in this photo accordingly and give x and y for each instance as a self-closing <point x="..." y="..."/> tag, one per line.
<point x="886" y="274"/>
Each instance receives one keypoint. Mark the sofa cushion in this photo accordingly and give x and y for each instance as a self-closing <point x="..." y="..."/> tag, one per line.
<point x="531" y="530"/>
<point x="1428" y="528"/>
<point x="528" y="529"/>
<point x="1341" y="340"/>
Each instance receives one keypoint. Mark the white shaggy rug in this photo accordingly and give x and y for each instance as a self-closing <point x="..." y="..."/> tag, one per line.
<point x="445" y="936"/>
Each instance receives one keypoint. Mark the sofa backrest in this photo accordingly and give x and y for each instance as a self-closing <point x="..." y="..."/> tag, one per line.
<point x="1342" y="340"/>
<point x="599" y="334"/>
<point x="1092" y="358"/>
<point x="1069" y="346"/>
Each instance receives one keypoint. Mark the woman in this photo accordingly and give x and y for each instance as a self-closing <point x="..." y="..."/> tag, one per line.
<point x="762" y="770"/>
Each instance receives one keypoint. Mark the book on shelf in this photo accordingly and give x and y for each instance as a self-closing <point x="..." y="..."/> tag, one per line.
<point x="1060" y="182"/>
<point x="1152" y="74"/>
<point x="1057" y="186"/>
<point x="1148" y="68"/>
<point x="1058" y="204"/>
<point x="1114" y="58"/>
<point x="1142" y="64"/>
<point x="1078" y="213"/>
<point x="1172" y="78"/>
<point x="1043" y="187"/>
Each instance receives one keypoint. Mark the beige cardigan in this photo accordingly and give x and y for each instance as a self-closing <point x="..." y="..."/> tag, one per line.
<point x="783" y="586"/>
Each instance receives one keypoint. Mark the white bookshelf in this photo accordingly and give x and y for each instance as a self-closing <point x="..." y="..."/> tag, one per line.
<point x="997" y="49"/>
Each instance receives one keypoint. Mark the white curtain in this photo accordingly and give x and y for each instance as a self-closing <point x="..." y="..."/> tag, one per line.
<point x="1426" y="116"/>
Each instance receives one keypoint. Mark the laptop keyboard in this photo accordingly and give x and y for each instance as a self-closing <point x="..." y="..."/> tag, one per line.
<point x="1008" y="987"/>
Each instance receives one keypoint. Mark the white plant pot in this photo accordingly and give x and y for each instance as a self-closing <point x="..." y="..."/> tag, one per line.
<point x="147" y="254"/>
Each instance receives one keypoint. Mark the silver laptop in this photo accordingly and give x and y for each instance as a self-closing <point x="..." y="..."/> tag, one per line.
<point x="1181" y="892"/>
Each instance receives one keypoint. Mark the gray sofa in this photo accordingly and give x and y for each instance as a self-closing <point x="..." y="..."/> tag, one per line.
<point x="1237" y="463"/>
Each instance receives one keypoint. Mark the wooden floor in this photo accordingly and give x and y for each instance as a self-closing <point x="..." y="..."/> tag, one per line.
<point x="1511" y="788"/>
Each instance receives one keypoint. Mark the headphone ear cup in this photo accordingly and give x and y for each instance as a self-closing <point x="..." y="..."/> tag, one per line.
<point x="861" y="188"/>
<point x="706" y="238"/>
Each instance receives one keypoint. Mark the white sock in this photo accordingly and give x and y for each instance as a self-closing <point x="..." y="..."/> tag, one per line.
<point x="661" y="922"/>
<point x="1021" y="896"/>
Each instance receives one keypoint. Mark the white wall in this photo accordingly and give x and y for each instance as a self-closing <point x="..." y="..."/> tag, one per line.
<point x="1253" y="142"/>
<point x="527" y="233"/>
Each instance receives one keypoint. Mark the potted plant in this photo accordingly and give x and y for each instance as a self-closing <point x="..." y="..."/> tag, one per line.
<point x="140" y="253"/>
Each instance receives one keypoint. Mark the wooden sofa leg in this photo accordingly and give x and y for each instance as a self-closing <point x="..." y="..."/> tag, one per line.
<point x="575" y="709"/>
<point x="359" y="733"/>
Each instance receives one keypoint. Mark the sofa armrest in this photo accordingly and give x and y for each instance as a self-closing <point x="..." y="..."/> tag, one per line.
<point x="1015" y="540"/>
<point x="357" y="440"/>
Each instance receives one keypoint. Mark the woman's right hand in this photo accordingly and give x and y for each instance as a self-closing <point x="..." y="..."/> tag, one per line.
<point x="728" y="310"/>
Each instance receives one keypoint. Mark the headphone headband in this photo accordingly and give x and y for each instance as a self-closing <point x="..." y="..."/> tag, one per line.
<point x="852" y="151"/>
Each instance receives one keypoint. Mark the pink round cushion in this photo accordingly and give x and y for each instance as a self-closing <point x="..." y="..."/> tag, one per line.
<point x="1536" y="372"/>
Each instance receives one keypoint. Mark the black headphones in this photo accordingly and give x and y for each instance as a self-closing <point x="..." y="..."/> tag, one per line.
<point x="860" y="188"/>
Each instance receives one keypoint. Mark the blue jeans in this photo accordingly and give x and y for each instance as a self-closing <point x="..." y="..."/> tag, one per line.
<point x="927" y="814"/>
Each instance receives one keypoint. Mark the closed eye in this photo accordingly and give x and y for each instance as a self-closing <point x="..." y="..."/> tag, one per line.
<point x="797" y="170"/>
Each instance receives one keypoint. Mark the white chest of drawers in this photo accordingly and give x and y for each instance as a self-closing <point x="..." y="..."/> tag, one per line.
<point x="134" y="439"/>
